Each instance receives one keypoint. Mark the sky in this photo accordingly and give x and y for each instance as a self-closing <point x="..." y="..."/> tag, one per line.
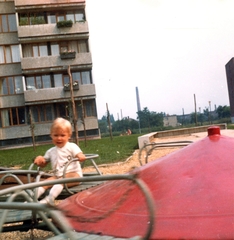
<point x="174" y="52"/>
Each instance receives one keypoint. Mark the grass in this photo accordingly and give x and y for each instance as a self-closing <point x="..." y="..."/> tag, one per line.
<point x="119" y="149"/>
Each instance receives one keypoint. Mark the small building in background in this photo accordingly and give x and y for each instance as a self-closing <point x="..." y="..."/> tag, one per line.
<point x="170" y="121"/>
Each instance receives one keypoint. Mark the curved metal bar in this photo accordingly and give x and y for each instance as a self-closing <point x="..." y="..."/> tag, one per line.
<point x="64" y="175"/>
<point x="154" y="145"/>
<point x="88" y="157"/>
<point x="17" y="180"/>
<point x="150" y="204"/>
<point x="91" y="157"/>
<point x="65" y="180"/>
<point x="39" y="209"/>
<point x="30" y="168"/>
<point x="34" y="215"/>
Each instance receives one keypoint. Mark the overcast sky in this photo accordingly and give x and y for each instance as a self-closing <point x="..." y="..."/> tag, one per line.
<point x="169" y="49"/>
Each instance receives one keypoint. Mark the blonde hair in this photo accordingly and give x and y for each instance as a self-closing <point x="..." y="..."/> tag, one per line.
<point x="61" y="123"/>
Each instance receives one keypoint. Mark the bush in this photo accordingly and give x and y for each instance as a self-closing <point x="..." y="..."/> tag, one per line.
<point x="65" y="23"/>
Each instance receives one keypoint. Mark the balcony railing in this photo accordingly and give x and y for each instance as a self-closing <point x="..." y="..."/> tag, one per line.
<point x="32" y="65"/>
<point x="50" y="31"/>
<point x="57" y="94"/>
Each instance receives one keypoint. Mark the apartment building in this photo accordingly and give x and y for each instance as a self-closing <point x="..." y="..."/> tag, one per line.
<point x="44" y="46"/>
<point x="229" y="67"/>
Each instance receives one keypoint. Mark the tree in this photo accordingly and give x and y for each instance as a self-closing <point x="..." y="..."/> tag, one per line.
<point x="150" y="119"/>
<point x="124" y="124"/>
<point x="223" y="112"/>
<point x="103" y="123"/>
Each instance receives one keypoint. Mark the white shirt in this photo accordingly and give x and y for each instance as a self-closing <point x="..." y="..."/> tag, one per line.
<point x="59" y="157"/>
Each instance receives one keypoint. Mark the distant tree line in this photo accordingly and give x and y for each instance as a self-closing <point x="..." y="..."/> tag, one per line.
<point x="145" y="119"/>
<point x="206" y="117"/>
<point x="150" y="120"/>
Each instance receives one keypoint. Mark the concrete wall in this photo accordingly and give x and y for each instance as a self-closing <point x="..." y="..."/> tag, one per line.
<point x="11" y="69"/>
<point x="12" y="101"/>
<point x="7" y="38"/>
<point x="7" y="7"/>
<point x="23" y="131"/>
<point x="42" y="95"/>
<point x="148" y="138"/>
<point x="31" y="65"/>
<point x="184" y="131"/>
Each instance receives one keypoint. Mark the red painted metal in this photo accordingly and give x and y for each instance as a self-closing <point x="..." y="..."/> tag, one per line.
<point x="193" y="191"/>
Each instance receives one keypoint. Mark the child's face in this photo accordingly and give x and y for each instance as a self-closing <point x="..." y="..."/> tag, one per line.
<point x="60" y="137"/>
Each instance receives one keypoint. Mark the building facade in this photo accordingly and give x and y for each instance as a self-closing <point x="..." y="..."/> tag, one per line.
<point x="44" y="46"/>
<point x="229" y="67"/>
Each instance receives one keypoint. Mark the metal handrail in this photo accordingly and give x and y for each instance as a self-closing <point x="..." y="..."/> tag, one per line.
<point x="153" y="146"/>
<point x="88" y="157"/>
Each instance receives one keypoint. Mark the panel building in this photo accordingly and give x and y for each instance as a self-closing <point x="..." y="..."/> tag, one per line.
<point x="44" y="45"/>
<point x="230" y="83"/>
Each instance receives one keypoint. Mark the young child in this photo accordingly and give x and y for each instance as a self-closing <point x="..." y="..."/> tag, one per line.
<point x="59" y="156"/>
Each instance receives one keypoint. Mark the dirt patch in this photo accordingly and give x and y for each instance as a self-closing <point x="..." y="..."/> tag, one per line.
<point x="131" y="162"/>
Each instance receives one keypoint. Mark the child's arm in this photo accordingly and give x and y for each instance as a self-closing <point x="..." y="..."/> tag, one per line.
<point x="40" y="161"/>
<point x="81" y="157"/>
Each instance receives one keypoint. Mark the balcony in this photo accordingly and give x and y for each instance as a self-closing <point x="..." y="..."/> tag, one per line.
<point x="36" y="33"/>
<point x="33" y="65"/>
<point x="29" y="4"/>
<point x="10" y="69"/>
<point x="58" y="94"/>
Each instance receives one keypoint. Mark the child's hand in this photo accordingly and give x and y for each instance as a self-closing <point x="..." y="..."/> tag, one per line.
<point x="40" y="161"/>
<point x="81" y="157"/>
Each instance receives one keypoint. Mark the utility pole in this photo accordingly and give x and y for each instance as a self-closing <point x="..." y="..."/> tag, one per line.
<point x="73" y="106"/>
<point x="209" y="112"/>
<point x="195" y="105"/>
<point x="109" y="124"/>
<point x="83" y="121"/>
<point x="32" y="127"/>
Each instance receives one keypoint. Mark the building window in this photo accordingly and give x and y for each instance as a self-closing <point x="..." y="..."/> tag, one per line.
<point x="40" y="50"/>
<point x="42" y="113"/>
<point x="80" y="46"/>
<point x="54" y="48"/>
<point x="38" y="82"/>
<point x="79" y="16"/>
<point x="9" y="54"/>
<point x="89" y="108"/>
<point x="86" y="77"/>
<point x="51" y="18"/>
<point x="8" y="23"/>
<point x="82" y="77"/>
<point x="33" y="18"/>
<point x="56" y="80"/>
<point x="63" y="110"/>
<point x="11" y="85"/>
<point x="13" y="116"/>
